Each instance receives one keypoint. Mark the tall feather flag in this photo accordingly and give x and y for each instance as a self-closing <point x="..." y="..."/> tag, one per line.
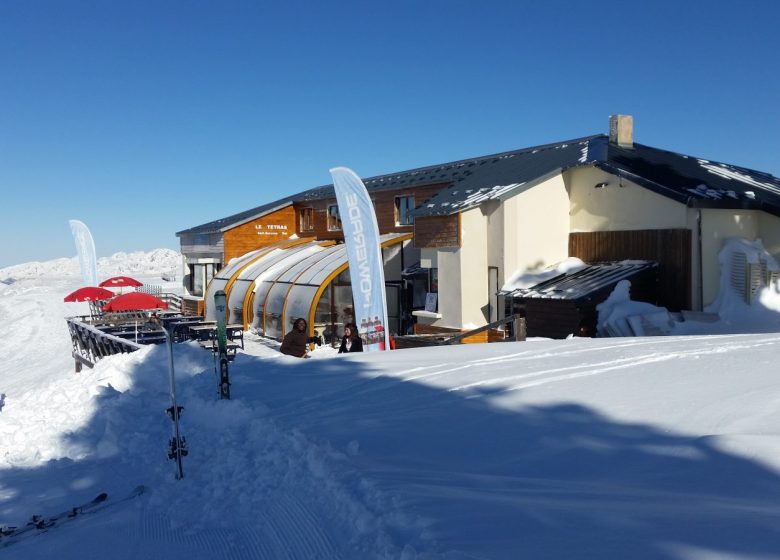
<point x="85" y="246"/>
<point x="361" y="235"/>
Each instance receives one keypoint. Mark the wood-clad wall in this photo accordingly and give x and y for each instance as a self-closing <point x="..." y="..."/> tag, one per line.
<point x="283" y="223"/>
<point x="670" y="248"/>
<point x="437" y="231"/>
<point x="384" y="204"/>
<point x="263" y="231"/>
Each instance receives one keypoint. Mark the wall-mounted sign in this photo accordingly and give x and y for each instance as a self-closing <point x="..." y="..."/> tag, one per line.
<point x="271" y="229"/>
<point x="430" y="301"/>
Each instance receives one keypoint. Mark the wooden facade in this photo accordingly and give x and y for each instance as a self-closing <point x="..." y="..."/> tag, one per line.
<point x="437" y="232"/>
<point x="268" y="229"/>
<point x="384" y="205"/>
<point x="670" y="248"/>
<point x="281" y="224"/>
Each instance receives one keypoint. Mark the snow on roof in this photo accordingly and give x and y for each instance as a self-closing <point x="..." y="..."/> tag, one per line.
<point x="525" y="278"/>
<point x="731" y="173"/>
<point x="582" y="281"/>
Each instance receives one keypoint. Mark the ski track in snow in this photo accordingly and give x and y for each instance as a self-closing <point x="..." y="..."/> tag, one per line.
<point x="264" y="479"/>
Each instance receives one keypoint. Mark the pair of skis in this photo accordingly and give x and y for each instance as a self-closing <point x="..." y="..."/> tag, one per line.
<point x="39" y="524"/>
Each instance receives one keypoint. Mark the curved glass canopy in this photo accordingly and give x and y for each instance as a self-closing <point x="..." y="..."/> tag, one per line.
<point x="269" y="288"/>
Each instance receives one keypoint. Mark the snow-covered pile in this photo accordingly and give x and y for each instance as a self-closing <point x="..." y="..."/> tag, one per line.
<point x="156" y="262"/>
<point x="729" y="313"/>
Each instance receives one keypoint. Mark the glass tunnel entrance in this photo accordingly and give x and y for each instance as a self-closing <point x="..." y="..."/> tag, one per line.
<point x="267" y="289"/>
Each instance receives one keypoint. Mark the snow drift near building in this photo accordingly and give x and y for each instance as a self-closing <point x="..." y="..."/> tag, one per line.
<point x="748" y="300"/>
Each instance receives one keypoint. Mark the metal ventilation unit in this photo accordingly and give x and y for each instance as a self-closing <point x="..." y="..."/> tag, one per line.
<point x="747" y="278"/>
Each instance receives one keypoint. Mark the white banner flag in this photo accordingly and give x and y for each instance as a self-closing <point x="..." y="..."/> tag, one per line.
<point x="85" y="246"/>
<point x="366" y="271"/>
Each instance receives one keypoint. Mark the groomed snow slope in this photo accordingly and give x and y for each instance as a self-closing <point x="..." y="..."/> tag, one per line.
<point x="587" y="448"/>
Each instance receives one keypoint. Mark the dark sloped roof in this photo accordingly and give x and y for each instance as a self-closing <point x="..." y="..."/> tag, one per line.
<point x="583" y="282"/>
<point x="690" y="180"/>
<point x="454" y="171"/>
<point x="491" y="176"/>
<point x="687" y="179"/>
<point x="235" y="219"/>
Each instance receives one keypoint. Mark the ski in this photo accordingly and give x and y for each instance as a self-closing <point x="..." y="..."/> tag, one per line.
<point x="177" y="445"/>
<point x="220" y="306"/>
<point x="39" y="524"/>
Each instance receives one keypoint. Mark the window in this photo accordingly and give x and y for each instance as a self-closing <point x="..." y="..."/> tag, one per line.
<point x="404" y="210"/>
<point x="306" y="219"/>
<point x="334" y="219"/>
<point x="201" y="239"/>
<point x="200" y="276"/>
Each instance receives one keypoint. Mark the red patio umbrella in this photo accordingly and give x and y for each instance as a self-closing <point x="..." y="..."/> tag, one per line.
<point x="89" y="293"/>
<point x="134" y="301"/>
<point x="120" y="282"/>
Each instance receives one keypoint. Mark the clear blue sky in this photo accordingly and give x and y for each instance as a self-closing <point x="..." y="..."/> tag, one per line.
<point x="144" y="118"/>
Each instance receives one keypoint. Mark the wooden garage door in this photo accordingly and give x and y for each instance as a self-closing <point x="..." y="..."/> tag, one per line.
<point x="671" y="248"/>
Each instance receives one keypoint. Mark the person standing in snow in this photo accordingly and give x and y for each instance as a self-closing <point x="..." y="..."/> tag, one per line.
<point x="296" y="342"/>
<point x="351" y="341"/>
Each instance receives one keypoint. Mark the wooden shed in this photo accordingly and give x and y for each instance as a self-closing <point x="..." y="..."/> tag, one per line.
<point x="566" y="304"/>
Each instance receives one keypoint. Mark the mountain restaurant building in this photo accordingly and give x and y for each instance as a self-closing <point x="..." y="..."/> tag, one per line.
<point x="460" y="230"/>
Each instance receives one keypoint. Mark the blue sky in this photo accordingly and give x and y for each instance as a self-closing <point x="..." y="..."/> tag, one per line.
<point x="144" y="118"/>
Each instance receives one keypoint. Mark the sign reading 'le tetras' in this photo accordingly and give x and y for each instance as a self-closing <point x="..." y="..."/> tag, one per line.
<point x="271" y="229"/>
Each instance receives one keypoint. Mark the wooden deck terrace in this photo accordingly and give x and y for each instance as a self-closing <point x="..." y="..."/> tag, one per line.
<point x="95" y="337"/>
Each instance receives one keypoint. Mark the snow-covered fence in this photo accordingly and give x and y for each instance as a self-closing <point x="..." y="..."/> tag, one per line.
<point x="173" y="300"/>
<point x="153" y="289"/>
<point x="91" y="344"/>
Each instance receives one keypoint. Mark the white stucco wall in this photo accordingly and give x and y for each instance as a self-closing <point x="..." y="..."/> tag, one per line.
<point x="769" y="232"/>
<point x="474" y="268"/>
<point x="450" y="292"/>
<point x="463" y="275"/>
<point x="616" y="207"/>
<point x="536" y="228"/>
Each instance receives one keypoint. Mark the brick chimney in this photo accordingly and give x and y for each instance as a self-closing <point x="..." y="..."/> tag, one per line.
<point x="621" y="130"/>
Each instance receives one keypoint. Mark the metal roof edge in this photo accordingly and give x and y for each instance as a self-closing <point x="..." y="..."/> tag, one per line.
<point x="488" y="156"/>
<point x="639" y="180"/>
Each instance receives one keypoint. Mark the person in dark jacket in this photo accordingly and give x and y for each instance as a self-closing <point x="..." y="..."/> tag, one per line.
<point x="351" y="341"/>
<point x="296" y="342"/>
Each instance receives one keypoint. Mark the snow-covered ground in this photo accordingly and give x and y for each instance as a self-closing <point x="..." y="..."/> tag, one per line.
<point x="662" y="447"/>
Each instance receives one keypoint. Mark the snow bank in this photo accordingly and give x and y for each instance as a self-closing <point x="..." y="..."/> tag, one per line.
<point x="620" y="316"/>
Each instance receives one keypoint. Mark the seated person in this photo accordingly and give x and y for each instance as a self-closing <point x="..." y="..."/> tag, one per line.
<point x="154" y="321"/>
<point x="296" y="342"/>
<point x="351" y="341"/>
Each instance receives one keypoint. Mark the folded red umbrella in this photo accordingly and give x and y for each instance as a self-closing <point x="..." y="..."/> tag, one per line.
<point x="135" y="301"/>
<point x="89" y="293"/>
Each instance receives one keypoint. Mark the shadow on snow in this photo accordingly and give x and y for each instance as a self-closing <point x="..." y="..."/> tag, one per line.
<point x="333" y="436"/>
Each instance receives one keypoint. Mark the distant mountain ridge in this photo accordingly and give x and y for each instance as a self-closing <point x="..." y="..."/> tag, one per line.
<point x="157" y="261"/>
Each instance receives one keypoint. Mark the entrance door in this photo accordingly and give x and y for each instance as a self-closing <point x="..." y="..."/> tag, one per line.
<point x="393" y="292"/>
